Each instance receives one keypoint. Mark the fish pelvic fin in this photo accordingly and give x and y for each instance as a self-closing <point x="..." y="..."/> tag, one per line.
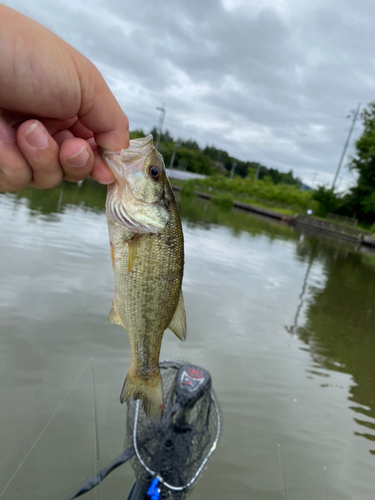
<point x="148" y="390"/>
<point x="112" y="256"/>
<point x="114" y="316"/>
<point x="178" y="322"/>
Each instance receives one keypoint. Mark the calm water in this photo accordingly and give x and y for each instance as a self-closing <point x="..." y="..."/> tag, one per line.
<point x="283" y="321"/>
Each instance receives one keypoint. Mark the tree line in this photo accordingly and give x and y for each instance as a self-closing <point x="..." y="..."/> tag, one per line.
<point x="359" y="201"/>
<point x="210" y="160"/>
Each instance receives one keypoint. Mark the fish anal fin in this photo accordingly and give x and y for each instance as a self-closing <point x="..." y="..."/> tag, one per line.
<point x="114" y="316"/>
<point x="149" y="390"/>
<point x="132" y="252"/>
<point x="178" y="322"/>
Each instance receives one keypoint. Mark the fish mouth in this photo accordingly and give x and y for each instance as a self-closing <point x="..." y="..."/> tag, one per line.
<point x="120" y="168"/>
<point x="128" y="161"/>
<point x="143" y="146"/>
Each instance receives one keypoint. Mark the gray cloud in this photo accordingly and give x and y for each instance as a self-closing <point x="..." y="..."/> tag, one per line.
<point x="270" y="82"/>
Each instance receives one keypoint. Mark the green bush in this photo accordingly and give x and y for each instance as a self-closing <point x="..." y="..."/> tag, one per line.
<point x="223" y="200"/>
<point x="284" y="194"/>
<point x="328" y="201"/>
<point x="188" y="188"/>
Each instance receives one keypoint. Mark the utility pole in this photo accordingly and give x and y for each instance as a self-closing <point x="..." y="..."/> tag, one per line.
<point x="161" y="121"/>
<point x="176" y="146"/>
<point x="346" y="145"/>
<point x="234" y="165"/>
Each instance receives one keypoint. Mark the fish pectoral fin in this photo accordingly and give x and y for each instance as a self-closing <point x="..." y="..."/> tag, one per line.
<point x="178" y="322"/>
<point x="132" y="252"/>
<point x="114" y="316"/>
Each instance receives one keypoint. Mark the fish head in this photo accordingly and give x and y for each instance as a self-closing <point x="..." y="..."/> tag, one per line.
<point x="139" y="198"/>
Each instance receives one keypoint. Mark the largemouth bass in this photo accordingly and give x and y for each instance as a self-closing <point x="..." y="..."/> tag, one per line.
<point x="147" y="251"/>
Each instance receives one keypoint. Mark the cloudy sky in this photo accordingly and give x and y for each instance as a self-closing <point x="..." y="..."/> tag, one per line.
<point x="271" y="81"/>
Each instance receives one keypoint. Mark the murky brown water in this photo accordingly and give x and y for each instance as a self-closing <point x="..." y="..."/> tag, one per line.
<point x="284" y="322"/>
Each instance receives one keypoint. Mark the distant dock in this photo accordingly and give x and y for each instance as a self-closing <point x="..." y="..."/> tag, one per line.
<point x="338" y="231"/>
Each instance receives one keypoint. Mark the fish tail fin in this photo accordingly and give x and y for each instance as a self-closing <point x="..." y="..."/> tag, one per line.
<point x="148" y="390"/>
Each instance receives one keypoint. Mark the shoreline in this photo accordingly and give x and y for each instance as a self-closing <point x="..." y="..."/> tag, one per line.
<point x="303" y="221"/>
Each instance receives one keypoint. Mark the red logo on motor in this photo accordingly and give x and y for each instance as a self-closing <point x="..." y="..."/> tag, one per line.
<point x="193" y="373"/>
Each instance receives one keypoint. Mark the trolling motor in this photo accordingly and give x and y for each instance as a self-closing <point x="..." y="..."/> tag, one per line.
<point x="168" y="456"/>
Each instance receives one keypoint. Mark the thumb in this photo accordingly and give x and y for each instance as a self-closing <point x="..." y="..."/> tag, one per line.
<point x="100" y="112"/>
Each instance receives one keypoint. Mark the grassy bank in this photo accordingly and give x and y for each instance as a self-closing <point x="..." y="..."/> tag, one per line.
<point x="282" y="198"/>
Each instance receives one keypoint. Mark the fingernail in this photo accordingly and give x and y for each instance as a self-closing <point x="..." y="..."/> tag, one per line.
<point x="80" y="158"/>
<point x="37" y="136"/>
<point x="7" y="134"/>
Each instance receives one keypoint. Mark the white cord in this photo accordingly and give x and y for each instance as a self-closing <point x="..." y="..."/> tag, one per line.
<point x="153" y="473"/>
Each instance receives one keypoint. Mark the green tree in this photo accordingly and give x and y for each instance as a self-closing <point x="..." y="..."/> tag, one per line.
<point x="164" y="136"/>
<point x="328" y="201"/>
<point x="361" y="201"/>
<point x="189" y="144"/>
<point x="194" y="160"/>
<point x="136" y="134"/>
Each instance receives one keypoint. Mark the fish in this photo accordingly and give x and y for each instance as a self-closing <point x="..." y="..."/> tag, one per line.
<point x="147" y="250"/>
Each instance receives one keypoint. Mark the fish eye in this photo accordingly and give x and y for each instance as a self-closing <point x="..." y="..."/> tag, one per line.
<point x="154" y="172"/>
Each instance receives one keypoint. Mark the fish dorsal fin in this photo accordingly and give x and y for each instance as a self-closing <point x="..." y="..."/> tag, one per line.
<point x="178" y="322"/>
<point x="114" y="316"/>
<point x="132" y="252"/>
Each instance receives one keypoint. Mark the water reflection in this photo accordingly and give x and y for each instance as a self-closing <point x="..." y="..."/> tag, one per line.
<point x="91" y="195"/>
<point x="51" y="202"/>
<point x="196" y="212"/>
<point x="340" y="318"/>
<point x="338" y="322"/>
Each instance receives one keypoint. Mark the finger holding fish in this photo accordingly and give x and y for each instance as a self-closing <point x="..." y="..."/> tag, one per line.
<point x="43" y="153"/>
<point x="15" y="173"/>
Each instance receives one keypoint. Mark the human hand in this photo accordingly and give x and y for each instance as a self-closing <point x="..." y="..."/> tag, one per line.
<point x="55" y="109"/>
